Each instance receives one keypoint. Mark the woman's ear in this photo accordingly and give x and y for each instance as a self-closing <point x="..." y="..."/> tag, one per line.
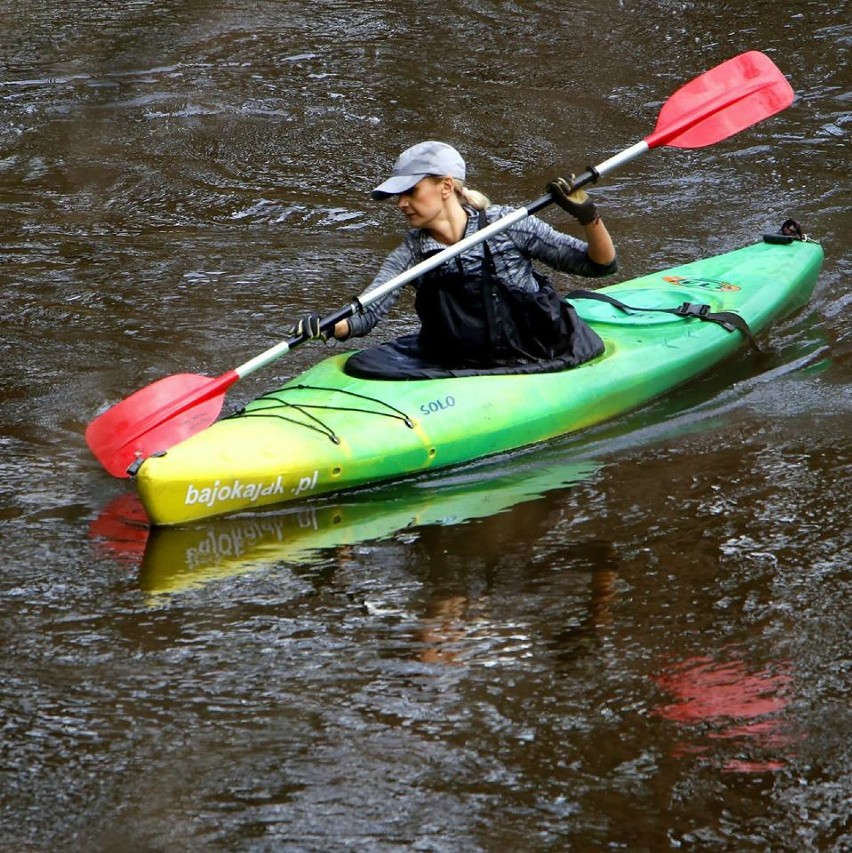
<point x="447" y="187"/>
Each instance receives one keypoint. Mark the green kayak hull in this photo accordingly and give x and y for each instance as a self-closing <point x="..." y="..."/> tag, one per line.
<point x="326" y="431"/>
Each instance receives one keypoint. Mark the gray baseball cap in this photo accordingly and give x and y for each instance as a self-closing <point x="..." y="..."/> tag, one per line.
<point x="415" y="163"/>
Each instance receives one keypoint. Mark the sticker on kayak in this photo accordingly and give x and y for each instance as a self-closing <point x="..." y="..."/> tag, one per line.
<point x="245" y="493"/>
<point x="705" y="283"/>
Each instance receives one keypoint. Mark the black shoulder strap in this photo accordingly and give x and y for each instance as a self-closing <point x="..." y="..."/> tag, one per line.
<point x="488" y="267"/>
<point x="488" y="273"/>
<point x="728" y="320"/>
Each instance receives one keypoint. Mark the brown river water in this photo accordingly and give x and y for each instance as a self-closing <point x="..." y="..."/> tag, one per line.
<point x="636" y="638"/>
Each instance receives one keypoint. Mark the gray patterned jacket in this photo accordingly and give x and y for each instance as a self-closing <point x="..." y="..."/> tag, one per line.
<point x="513" y="250"/>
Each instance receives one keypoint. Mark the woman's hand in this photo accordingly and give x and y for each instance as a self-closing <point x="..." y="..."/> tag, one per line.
<point x="574" y="201"/>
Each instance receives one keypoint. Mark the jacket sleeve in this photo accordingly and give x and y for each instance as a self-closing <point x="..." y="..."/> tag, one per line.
<point x="397" y="262"/>
<point x="562" y="252"/>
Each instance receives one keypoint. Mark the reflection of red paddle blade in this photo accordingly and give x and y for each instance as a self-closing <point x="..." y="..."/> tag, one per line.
<point x="707" y="690"/>
<point x="155" y="418"/>
<point x="736" y="703"/>
<point x="121" y="529"/>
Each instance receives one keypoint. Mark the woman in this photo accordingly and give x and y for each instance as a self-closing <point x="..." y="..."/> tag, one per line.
<point x="487" y="307"/>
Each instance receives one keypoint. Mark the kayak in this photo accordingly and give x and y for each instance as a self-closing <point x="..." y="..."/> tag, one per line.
<point x="326" y="430"/>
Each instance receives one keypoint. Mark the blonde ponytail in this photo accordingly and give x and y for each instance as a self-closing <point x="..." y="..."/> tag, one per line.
<point x="472" y="198"/>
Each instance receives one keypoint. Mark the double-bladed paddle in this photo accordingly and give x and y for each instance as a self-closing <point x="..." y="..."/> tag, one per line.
<point x="715" y="105"/>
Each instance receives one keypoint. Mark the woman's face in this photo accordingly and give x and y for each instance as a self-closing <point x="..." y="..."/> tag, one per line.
<point x="425" y="201"/>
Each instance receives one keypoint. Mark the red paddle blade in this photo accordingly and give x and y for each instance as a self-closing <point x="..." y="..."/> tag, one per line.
<point x="721" y="102"/>
<point x="155" y="418"/>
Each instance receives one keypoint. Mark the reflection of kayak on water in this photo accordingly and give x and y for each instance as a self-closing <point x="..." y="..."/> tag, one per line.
<point x="177" y="558"/>
<point x="180" y="557"/>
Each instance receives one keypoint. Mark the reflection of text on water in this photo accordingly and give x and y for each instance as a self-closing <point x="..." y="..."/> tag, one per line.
<point x="238" y="541"/>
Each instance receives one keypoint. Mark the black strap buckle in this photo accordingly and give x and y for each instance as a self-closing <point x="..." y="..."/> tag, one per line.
<point x="692" y="309"/>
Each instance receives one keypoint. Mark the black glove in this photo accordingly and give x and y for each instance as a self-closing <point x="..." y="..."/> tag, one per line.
<point x="576" y="202"/>
<point x="308" y="328"/>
